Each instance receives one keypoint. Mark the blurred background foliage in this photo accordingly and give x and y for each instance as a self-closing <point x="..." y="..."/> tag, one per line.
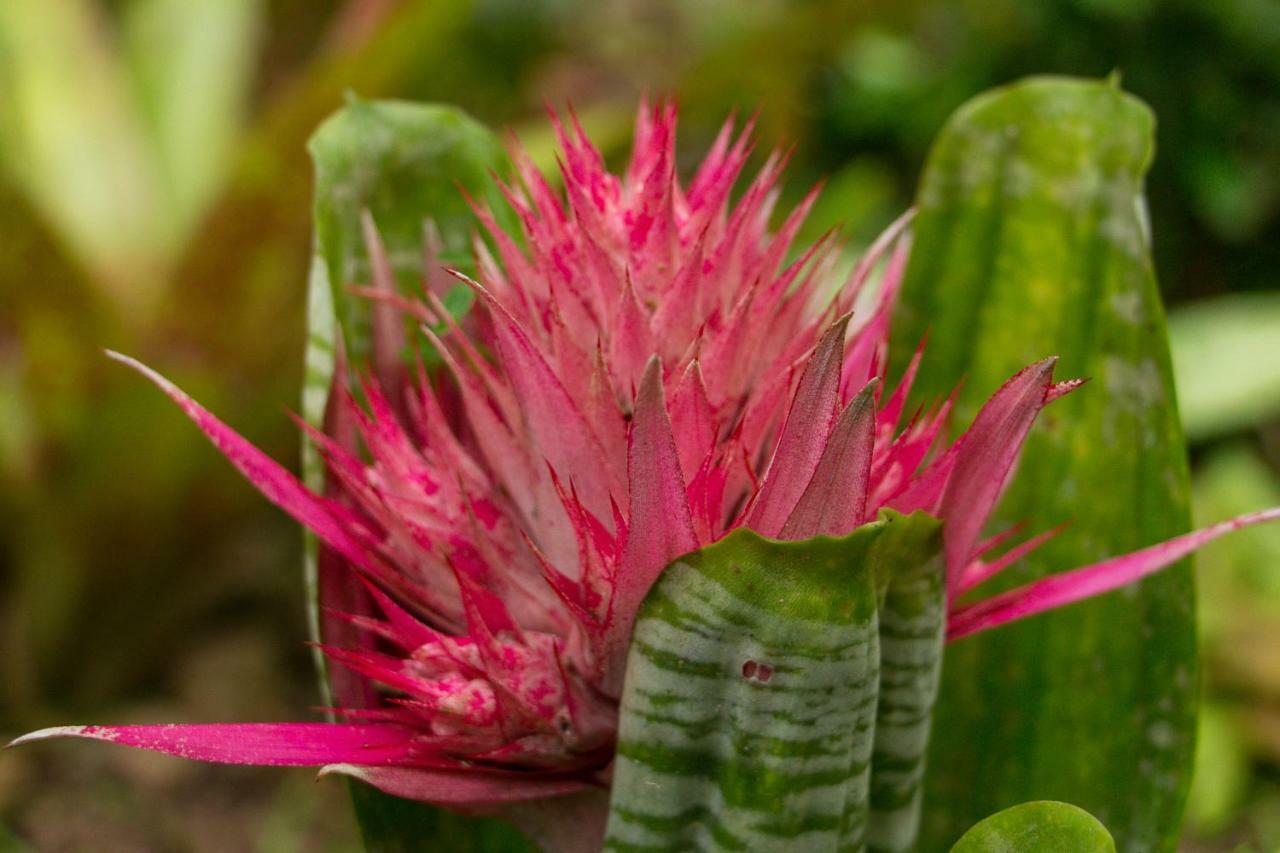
<point x="155" y="198"/>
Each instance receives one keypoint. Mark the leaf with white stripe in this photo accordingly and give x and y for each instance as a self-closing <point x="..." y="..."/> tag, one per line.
<point x="748" y="712"/>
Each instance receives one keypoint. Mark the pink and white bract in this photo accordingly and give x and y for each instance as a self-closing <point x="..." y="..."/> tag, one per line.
<point x="649" y="372"/>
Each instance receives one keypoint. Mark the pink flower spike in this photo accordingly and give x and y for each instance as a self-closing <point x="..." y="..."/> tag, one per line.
<point x="835" y="501"/>
<point x="804" y="435"/>
<point x="643" y="373"/>
<point x="1078" y="584"/>
<point x="660" y="526"/>
<point x="985" y="457"/>
<point x="277" y="744"/>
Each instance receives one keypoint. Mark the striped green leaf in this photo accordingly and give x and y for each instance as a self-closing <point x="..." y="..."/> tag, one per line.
<point x="913" y="621"/>
<point x="1031" y="241"/>
<point x="1040" y="827"/>
<point x="748" y="712"/>
<point x="403" y="163"/>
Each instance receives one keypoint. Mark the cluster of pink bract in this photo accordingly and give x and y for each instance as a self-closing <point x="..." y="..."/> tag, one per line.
<point x="650" y="368"/>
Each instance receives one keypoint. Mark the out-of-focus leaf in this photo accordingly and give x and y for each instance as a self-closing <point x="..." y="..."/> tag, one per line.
<point x="192" y="65"/>
<point x="747" y="713"/>
<point x="1238" y="574"/>
<point x="1221" y="772"/>
<point x="1226" y="360"/>
<point x="71" y="137"/>
<point x="1031" y="241"/>
<point x="1040" y="827"/>
<point x="403" y="163"/>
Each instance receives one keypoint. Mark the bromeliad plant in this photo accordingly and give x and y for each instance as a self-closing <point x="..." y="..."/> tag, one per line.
<point x="646" y="549"/>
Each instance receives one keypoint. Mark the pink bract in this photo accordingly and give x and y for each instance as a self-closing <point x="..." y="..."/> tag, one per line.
<point x="646" y="371"/>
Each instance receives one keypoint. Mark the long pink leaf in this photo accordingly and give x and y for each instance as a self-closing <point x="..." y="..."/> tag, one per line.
<point x="276" y="744"/>
<point x="278" y="485"/>
<point x="1069" y="587"/>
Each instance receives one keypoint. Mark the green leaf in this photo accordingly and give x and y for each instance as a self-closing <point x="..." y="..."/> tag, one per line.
<point x="913" y="622"/>
<point x="1040" y="827"/>
<point x="1031" y="241"/>
<point x="403" y="163"/>
<point x="747" y="713"/>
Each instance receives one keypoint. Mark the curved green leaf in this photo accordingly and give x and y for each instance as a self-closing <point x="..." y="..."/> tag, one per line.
<point x="747" y="713"/>
<point x="1030" y="241"/>
<point x="402" y="162"/>
<point x="1040" y="827"/>
<point x="913" y="622"/>
<point x="747" y="716"/>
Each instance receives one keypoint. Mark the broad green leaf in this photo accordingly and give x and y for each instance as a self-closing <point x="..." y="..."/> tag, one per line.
<point x="1040" y="827"/>
<point x="403" y="163"/>
<point x="1031" y="241"/>
<point x="1226" y="359"/>
<point x="749" y="713"/>
<point x="748" y="708"/>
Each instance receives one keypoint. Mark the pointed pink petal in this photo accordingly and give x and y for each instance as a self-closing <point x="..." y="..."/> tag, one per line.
<point x="278" y="485"/>
<point x="279" y="744"/>
<point x="471" y="786"/>
<point x="693" y="420"/>
<point x="978" y="572"/>
<point x="835" y="501"/>
<point x="984" y="461"/>
<point x="660" y="525"/>
<point x="804" y="435"/>
<point x="1069" y="587"/>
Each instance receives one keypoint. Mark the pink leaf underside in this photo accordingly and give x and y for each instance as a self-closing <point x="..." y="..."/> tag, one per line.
<point x="461" y="788"/>
<point x="835" y="501"/>
<point x="804" y="435"/>
<point x="984" y="460"/>
<point x="274" y="744"/>
<point x="1085" y="582"/>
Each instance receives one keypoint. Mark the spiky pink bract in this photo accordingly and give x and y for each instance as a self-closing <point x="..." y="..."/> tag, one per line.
<point x="647" y="369"/>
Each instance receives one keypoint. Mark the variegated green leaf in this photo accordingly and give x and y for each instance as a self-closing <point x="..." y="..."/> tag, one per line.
<point x="748" y="713"/>
<point x="913" y="621"/>
<point x="1039" y="827"/>
<point x="1031" y="241"/>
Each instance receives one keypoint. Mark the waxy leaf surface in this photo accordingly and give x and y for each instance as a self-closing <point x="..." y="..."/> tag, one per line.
<point x="1031" y="242"/>
<point x="1040" y="827"/>
<point x="748" y="716"/>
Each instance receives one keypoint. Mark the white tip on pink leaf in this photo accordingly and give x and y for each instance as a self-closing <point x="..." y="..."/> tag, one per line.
<point x="276" y="744"/>
<point x="277" y="484"/>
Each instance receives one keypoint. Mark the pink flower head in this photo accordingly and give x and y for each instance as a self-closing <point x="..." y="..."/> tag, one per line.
<point x="648" y="368"/>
